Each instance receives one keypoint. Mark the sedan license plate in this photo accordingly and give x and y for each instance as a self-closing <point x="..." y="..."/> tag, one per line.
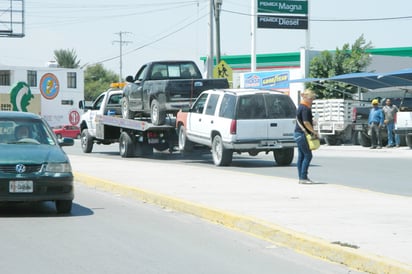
<point x="21" y="186"/>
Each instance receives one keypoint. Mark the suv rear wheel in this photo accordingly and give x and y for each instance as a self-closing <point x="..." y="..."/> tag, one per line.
<point x="284" y="156"/>
<point x="221" y="155"/>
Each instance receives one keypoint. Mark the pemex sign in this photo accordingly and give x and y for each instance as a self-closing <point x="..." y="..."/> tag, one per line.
<point x="266" y="9"/>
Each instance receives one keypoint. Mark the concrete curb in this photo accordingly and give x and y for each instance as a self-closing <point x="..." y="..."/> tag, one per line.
<point x="258" y="228"/>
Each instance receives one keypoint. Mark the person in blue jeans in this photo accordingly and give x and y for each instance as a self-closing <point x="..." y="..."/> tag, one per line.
<point x="390" y="110"/>
<point x="305" y="118"/>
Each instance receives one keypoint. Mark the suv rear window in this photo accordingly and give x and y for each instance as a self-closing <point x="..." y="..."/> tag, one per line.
<point x="265" y="106"/>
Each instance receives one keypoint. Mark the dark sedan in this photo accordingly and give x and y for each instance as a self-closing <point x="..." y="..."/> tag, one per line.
<point x="33" y="166"/>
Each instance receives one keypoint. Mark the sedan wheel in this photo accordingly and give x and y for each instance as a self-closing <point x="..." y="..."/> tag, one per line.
<point x="64" y="206"/>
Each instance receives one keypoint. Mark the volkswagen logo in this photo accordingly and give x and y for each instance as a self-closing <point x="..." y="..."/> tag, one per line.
<point x="20" y="168"/>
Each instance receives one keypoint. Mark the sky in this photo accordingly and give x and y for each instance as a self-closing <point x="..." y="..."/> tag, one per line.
<point x="179" y="29"/>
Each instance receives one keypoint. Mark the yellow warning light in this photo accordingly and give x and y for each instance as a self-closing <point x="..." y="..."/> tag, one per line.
<point x="118" y="85"/>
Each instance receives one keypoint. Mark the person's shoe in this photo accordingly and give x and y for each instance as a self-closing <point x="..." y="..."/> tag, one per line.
<point x="306" y="181"/>
<point x="378" y="147"/>
<point x="372" y="147"/>
<point x="397" y="145"/>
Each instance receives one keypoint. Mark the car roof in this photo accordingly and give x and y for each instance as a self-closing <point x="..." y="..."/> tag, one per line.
<point x="246" y="91"/>
<point x="19" y="115"/>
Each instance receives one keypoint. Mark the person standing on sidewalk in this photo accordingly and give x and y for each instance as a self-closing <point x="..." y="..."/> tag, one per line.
<point x="305" y="118"/>
<point x="389" y="111"/>
<point x="375" y="123"/>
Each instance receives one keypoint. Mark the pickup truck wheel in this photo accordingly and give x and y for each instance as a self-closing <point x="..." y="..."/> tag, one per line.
<point x="126" y="112"/>
<point x="161" y="147"/>
<point x="184" y="144"/>
<point x="157" y="115"/>
<point x="126" y="145"/>
<point x="86" y="141"/>
<point x="409" y="140"/>
<point x="284" y="156"/>
<point x="221" y="155"/>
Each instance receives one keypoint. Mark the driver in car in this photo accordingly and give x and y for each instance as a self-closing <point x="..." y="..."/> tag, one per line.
<point x="22" y="132"/>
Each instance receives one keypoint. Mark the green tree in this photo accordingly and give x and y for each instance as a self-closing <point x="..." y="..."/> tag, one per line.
<point x="66" y="58"/>
<point x="349" y="59"/>
<point x="96" y="80"/>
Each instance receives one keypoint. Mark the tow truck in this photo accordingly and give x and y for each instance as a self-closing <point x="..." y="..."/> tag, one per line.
<point x="102" y="123"/>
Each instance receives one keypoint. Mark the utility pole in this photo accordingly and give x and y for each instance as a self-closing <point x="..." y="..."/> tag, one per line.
<point x="210" y="64"/>
<point x="218" y="7"/>
<point x="121" y="43"/>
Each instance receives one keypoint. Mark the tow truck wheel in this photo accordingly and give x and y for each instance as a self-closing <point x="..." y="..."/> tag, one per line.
<point x="284" y="156"/>
<point x="86" y="141"/>
<point x="221" y="155"/>
<point x="157" y="115"/>
<point x="126" y="145"/>
<point x="409" y="140"/>
<point x="126" y="112"/>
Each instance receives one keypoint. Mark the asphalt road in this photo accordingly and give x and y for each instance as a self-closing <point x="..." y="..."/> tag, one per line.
<point x="385" y="170"/>
<point x="113" y="234"/>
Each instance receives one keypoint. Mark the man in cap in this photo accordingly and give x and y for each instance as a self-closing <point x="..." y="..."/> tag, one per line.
<point x="390" y="110"/>
<point x="376" y="119"/>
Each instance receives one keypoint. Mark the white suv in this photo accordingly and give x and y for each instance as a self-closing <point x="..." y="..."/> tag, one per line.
<point x="239" y="120"/>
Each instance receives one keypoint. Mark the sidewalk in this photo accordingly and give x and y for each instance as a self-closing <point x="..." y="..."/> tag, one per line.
<point x="368" y="231"/>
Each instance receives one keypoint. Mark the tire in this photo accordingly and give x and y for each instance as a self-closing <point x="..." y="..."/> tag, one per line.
<point x="333" y="140"/>
<point x="64" y="206"/>
<point x="161" y="147"/>
<point x="284" y="156"/>
<point x="157" y="115"/>
<point x="408" y="139"/>
<point x="126" y="112"/>
<point x="126" y="145"/>
<point x="143" y="149"/>
<point x="221" y="155"/>
<point x="364" y="140"/>
<point x="86" y="141"/>
<point x="184" y="144"/>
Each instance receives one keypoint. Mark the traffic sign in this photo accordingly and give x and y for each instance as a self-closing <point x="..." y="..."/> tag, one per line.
<point x="223" y="70"/>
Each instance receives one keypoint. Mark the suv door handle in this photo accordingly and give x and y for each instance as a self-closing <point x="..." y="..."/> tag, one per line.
<point x="273" y="124"/>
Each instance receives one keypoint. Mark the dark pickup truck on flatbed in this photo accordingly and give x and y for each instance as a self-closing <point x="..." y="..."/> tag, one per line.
<point x="164" y="87"/>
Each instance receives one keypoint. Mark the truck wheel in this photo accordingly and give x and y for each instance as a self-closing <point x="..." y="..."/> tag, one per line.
<point x="409" y="140"/>
<point x="184" y="144"/>
<point x="126" y="112"/>
<point x="126" y="145"/>
<point x="86" y="141"/>
<point x="364" y="140"/>
<point x="143" y="149"/>
<point x="284" y="156"/>
<point x="161" y="147"/>
<point x="157" y="115"/>
<point x="332" y="140"/>
<point x="221" y="155"/>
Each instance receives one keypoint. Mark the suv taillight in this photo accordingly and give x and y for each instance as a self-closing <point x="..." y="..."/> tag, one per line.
<point x="233" y="127"/>
<point x="354" y="112"/>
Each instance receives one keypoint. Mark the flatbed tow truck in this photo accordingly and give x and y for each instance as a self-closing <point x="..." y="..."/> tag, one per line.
<point x="102" y="124"/>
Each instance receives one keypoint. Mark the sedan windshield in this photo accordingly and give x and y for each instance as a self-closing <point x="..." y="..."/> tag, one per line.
<point x="23" y="131"/>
